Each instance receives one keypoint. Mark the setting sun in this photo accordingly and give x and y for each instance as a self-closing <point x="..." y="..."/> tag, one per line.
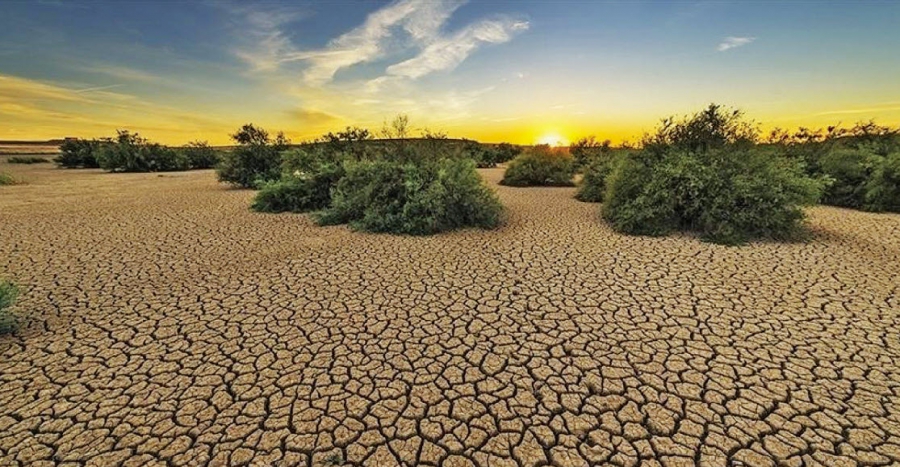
<point x="553" y="139"/>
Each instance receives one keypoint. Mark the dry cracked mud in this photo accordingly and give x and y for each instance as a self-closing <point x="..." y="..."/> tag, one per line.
<point x="169" y="325"/>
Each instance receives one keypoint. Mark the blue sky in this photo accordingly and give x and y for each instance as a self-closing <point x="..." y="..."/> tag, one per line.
<point x="518" y="71"/>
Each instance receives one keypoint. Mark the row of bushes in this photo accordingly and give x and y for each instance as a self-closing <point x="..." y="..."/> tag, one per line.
<point x="393" y="186"/>
<point x="27" y="160"/>
<point x="129" y="152"/>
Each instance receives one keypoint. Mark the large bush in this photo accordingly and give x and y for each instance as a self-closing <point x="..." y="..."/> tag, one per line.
<point x="883" y="187"/>
<point x="540" y="166"/>
<point x="129" y="152"/>
<point x="256" y="159"/>
<point x="728" y="195"/>
<point x="8" y="294"/>
<point x="412" y="198"/>
<point x="78" y="153"/>
<point x="704" y="174"/>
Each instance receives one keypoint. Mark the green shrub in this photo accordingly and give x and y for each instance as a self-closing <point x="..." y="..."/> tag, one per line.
<point x="129" y="152"/>
<point x="540" y="166"/>
<point x="200" y="155"/>
<point x="849" y="170"/>
<point x="586" y="149"/>
<point x="78" y="153"/>
<point x="299" y="191"/>
<point x="883" y="187"/>
<point x="485" y="157"/>
<point x="27" y="160"/>
<point x="255" y="161"/>
<point x="506" y="152"/>
<point x="412" y="198"/>
<point x="8" y="294"/>
<point x="728" y="195"/>
<point x="6" y="179"/>
<point x="593" y="185"/>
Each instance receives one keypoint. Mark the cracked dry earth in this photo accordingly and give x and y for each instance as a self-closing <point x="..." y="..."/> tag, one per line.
<point x="169" y="325"/>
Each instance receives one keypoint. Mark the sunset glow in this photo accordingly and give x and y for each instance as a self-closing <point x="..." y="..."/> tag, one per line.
<point x="491" y="71"/>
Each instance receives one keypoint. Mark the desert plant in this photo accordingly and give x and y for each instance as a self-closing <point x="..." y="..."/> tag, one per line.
<point x="412" y="198"/>
<point x="728" y="195"/>
<point x="7" y="179"/>
<point x="27" y="160"/>
<point x="588" y="148"/>
<point x="299" y="191"/>
<point x="200" y="155"/>
<point x="78" y="153"/>
<point x="593" y="184"/>
<point x="883" y="187"/>
<point x="849" y="170"/>
<point x="712" y="128"/>
<point x="8" y="294"/>
<point x="540" y="166"/>
<point x="506" y="152"/>
<point x="129" y="152"/>
<point x="255" y="161"/>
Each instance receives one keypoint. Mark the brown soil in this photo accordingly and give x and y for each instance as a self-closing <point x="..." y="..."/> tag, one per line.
<point x="170" y="325"/>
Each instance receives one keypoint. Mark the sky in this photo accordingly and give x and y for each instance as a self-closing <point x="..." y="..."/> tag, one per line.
<point x="517" y="71"/>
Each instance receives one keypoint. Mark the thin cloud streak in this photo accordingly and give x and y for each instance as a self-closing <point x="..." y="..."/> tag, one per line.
<point x="734" y="42"/>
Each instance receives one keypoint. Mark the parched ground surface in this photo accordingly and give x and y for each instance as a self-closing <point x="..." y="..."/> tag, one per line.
<point x="169" y="325"/>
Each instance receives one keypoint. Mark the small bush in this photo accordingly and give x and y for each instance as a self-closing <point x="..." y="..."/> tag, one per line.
<point x="255" y="161"/>
<point x="7" y="179"/>
<point x="27" y="160"/>
<point x="412" y="198"/>
<point x="8" y="294"/>
<point x="593" y="185"/>
<point x="199" y="155"/>
<point x="299" y="191"/>
<point x="883" y="187"/>
<point x="728" y="195"/>
<point x="540" y="166"/>
<point x="78" y="154"/>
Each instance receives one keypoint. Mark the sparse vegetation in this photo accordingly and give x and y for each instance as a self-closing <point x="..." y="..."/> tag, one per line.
<point x="27" y="160"/>
<point x="6" y="179"/>
<point x="8" y="295"/>
<point x="412" y="198"/>
<point x="704" y="175"/>
<point x="255" y="161"/>
<point x="540" y="166"/>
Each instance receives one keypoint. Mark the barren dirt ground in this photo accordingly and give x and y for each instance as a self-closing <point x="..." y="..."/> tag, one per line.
<point x="169" y="325"/>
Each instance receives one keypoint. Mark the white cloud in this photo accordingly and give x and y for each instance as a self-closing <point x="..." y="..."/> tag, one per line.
<point x="422" y="21"/>
<point x="734" y="42"/>
<point x="448" y="52"/>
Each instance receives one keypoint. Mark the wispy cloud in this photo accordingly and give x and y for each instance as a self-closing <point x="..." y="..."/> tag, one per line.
<point x="448" y="52"/>
<point x="733" y="42"/>
<point x="887" y="107"/>
<point x="422" y="21"/>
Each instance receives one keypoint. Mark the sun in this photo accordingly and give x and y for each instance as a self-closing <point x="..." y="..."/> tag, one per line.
<point x="553" y="139"/>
